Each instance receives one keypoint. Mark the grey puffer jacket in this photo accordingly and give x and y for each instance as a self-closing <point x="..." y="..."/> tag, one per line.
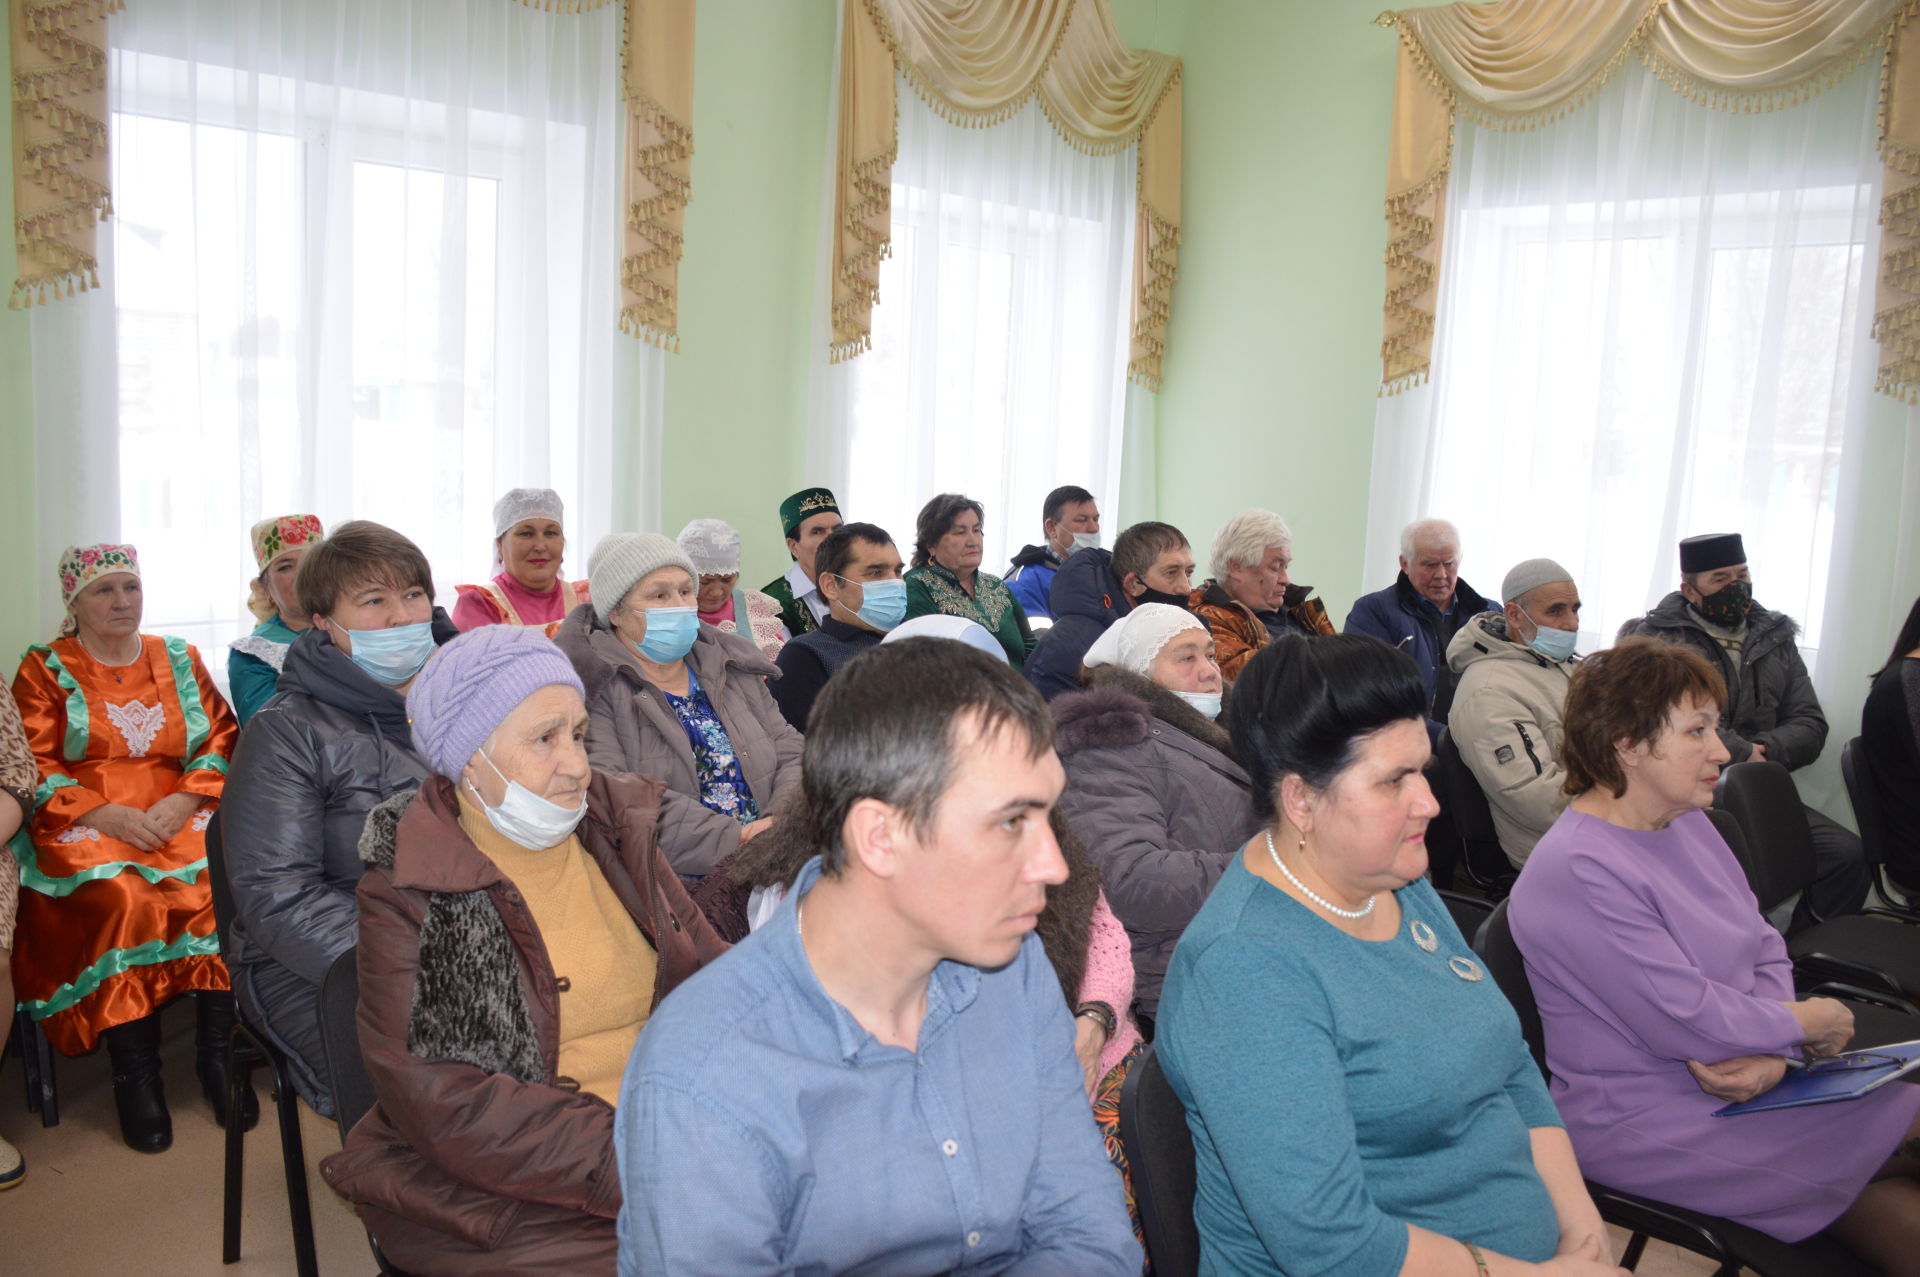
<point x="313" y="761"/>
<point x="1155" y="795"/>
<point x="1508" y="719"/>
<point x="1770" y="698"/>
<point x="632" y="728"/>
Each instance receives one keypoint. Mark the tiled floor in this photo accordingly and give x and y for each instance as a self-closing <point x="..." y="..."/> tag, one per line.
<point x="90" y="1205"/>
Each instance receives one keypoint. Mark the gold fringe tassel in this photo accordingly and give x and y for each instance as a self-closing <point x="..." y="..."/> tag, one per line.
<point x="54" y="240"/>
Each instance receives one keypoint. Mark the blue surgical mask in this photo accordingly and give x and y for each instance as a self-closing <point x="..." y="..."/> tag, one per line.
<point x="1085" y="541"/>
<point x="393" y="655"/>
<point x="1208" y="703"/>
<point x="1555" y="645"/>
<point x="524" y="817"/>
<point x="883" y="603"/>
<point x="670" y="634"/>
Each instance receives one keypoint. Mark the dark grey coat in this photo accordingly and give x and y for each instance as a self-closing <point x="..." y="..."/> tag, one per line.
<point x="631" y="728"/>
<point x="1770" y="698"/>
<point x="1160" y="804"/>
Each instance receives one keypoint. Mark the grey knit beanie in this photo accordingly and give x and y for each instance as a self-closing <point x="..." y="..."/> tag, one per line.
<point x="469" y="686"/>
<point x="1531" y="575"/>
<point x="622" y="559"/>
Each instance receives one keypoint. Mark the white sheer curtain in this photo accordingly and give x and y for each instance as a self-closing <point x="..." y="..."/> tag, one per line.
<point x="1652" y="326"/>
<point x="364" y="264"/>
<point x="1656" y="323"/>
<point x="999" y="356"/>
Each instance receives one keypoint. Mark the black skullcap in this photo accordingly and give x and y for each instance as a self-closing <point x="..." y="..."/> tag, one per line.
<point x="1714" y="550"/>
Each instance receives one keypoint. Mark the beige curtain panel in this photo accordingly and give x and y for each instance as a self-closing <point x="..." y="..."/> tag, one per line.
<point x="59" y="56"/>
<point x="978" y="62"/>
<point x="1519" y="64"/>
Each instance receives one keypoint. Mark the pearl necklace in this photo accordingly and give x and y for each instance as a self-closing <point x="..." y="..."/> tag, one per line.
<point x="1309" y="893"/>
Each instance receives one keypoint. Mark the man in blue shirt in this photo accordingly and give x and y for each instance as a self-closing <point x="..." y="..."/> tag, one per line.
<point x="881" y="1079"/>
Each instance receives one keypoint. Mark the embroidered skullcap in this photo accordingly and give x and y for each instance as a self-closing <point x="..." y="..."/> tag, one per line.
<point x="1135" y="640"/>
<point x="622" y="559"/>
<point x="272" y="538"/>
<point x="469" y="686"/>
<point x="803" y="505"/>
<point x="713" y="546"/>
<point x="82" y="565"/>
<point x="522" y="504"/>
<point x="957" y="628"/>
<point x="1714" y="550"/>
<point x="1531" y="575"/>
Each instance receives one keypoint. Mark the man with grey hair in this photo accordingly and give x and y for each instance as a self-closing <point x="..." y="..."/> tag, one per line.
<point x="1423" y="609"/>
<point x="1512" y="668"/>
<point x="1250" y="599"/>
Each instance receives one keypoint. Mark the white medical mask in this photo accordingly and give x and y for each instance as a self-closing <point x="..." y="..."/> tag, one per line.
<point x="525" y="818"/>
<point x="1555" y="645"/>
<point x="1208" y="703"/>
<point x="1085" y="541"/>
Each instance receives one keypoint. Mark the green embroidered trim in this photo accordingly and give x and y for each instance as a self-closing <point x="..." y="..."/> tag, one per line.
<point x="43" y="793"/>
<point x="75" y="747"/>
<point x="207" y="762"/>
<point x="187" y="688"/>
<point x="118" y="962"/>
<point x="33" y="879"/>
<point x="987" y="606"/>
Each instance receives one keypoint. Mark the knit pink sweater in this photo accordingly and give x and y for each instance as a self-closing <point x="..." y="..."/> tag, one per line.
<point x="1109" y="979"/>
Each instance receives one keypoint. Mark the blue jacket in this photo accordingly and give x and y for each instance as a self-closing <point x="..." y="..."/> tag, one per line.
<point x="1030" y="578"/>
<point x="1086" y="599"/>
<point x="1400" y="617"/>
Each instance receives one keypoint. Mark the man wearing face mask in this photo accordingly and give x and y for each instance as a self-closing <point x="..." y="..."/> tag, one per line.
<point x="1070" y="521"/>
<point x="333" y="742"/>
<point x="1772" y="713"/>
<point x="860" y="577"/>
<point x="1512" y="669"/>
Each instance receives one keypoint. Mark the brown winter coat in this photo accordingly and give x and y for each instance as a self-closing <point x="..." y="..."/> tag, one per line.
<point x="632" y="728"/>
<point x="477" y="1156"/>
<point x="1238" y="633"/>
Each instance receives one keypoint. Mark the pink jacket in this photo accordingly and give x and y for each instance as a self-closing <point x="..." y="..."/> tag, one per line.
<point x="1109" y="979"/>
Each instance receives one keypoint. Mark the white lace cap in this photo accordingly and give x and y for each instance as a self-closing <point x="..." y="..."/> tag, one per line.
<point x="1133" y="641"/>
<point x="522" y="504"/>
<point x="958" y="628"/>
<point x="713" y="545"/>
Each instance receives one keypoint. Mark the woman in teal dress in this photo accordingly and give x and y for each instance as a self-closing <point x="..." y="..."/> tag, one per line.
<point x="253" y="662"/>
<point x="946" y="578"/>
<point x="1360" y="1097"/>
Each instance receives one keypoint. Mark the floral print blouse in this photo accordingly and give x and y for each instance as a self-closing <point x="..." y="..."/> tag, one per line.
<point x="723" y="787"/>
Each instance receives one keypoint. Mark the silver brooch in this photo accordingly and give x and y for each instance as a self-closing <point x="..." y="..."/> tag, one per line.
<point x="1423" y="935"/>
<point x="1466" y="968"/>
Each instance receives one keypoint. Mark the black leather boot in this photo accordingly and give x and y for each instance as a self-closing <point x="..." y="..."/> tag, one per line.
<point x="210" y="1033"/>
<point x="134" y="1049"/>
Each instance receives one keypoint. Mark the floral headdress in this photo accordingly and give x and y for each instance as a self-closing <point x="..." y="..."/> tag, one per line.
<point x="82" y="565"/>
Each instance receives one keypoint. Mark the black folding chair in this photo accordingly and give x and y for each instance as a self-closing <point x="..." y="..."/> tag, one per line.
<point x="248" y="1049"/>
<point x="1469" y="913"/>
<point x="1732" y="1246"/>
<point x="1153" y="1130"/>
<point x="340" y="1041"/>
<point x="1872" y="819"/>
<point x="1481" y="855"/>
<point x="1873" y="949"/>
<point x="36" y="1064"/>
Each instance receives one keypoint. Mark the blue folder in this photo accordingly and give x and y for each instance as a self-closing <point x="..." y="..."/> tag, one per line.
<point x="1833" y="1079"/>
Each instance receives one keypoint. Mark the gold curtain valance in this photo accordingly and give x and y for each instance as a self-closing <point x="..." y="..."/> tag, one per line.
<point x="59" y="56"/>
<point x="978" y="62"/>
<point x="1519" y="64"/>
<point x="656" y="76"/>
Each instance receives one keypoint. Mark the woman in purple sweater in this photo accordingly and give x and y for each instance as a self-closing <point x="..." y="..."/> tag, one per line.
<point x="1664" y="993"/>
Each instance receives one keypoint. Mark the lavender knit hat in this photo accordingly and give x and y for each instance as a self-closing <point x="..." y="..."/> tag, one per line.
<point x="470" y="685"/>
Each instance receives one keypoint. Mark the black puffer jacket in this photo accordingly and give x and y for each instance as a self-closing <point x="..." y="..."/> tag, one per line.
<point x="1086" y="598"/>
<point x="1155" y="795"/>
<point x="312" y="762"/>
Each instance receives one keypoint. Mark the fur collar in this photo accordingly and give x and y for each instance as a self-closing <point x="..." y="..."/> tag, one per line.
<point x="1118" y="709"/>
<point x="469" y="1004"/>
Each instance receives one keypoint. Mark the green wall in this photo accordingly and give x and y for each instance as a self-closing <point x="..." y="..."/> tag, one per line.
<point x="1273" y="358"/>
<point x="20" y="570"/>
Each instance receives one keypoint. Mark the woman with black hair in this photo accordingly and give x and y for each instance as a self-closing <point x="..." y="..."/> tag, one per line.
<point x="946" y="578"/>
<point x="1360" y="1097"/>
<point x="1890" y="740"/>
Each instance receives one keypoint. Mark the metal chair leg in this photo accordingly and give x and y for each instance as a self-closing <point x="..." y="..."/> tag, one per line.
<point x="36" y="1057"/>
<point x="239" y="1075"/>
<point x="293" y="1155"/>
<point x="1636" y="1246"/>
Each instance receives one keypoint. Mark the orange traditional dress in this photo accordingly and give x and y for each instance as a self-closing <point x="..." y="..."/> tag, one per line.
<point x="108" y="933"/>
<point x="504" y="601"/>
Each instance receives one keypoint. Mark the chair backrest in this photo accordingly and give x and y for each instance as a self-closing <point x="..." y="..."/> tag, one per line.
<point x="1762" y="800"/>
<point x="217" y="882"/>
<point x="1480" y="851"/>
<point x="1867" y="811"/>
<point x="1469" y="913"/>
<point x="1153" y="1130"/>
<point x="1497" y="949"/>
<point x="340" y="1041"/>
